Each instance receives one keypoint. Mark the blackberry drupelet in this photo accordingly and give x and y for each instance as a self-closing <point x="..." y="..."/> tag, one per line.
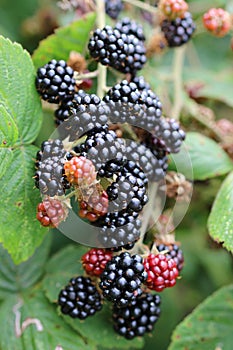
<point x="169" y="134"/>
<point x="138" y="318"/>
<point x="128" y="104"/>
<point x="125" y="53"/>
<point x="118" y="230"/>
<point x="122" y="278"/>
<point x="54" y="81"/>
<point x="128" y="26"/>
<point x="113" y="8"/>
<point x="178" y="31"/>
<point x="174" y="252"/>
<point x="49" y="175"/>
<point x="80" y="298"/>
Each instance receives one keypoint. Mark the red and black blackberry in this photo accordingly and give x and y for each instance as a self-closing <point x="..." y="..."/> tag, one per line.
<point x="174" y="252"/>
<point x="122" y="278"/>
<point x="54" y="81"/>
<point x="111" y="47"/>
<point x="128" y="26"/>
<point x="113" y="8"/>
<point x="138" y="318"/>
<point x="49" y="175"/>
<point x="178" y="31"/>
<point x="80" y="298"/>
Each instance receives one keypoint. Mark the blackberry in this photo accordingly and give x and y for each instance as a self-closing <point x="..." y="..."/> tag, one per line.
<point x="95" y="260"/>
<point x="118" y="230"/>
<point x="128" y="104"/>
<point x="141" y="83"/>
<point x="51" y="212"/>
<point x="80" y="171"/>
<point x="94" y="205"/>
<point x="178" y="31"/>
<point x="54" y="81"/>
<point x="162" y="272"/>
<point x="138" y="318"/>
<point x="169" y="134"/>
<point x="173" y="8"/>
<point x="80" y="98"/>
<point x="101" y="146"/>
<point x="217" y="21"/>
<point x="174" y="252"/>
<point x="113" y="8"/>
<point x="122" y="278"/>
<point x="128" y="191"/>
<point x="147" y="160"/>
<point x="125" y="53"/>
<point x="86" y="112"/>
<point x="49" y="175"/>
<point x="128" y="26"/>
<point x="80" y="298"/>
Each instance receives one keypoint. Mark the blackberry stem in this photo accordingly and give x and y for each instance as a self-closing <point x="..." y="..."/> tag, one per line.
<point x="89" y="75"/>
<point x="100" y="22"/>
<point x="142" y="5"/>
<point x="178" y="63"/>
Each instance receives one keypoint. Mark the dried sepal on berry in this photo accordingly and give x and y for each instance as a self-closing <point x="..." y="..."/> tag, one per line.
<point x="217" y="21"/>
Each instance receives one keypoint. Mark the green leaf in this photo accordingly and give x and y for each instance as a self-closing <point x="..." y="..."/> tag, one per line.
<point x="15" y="278"/>
<point x="5" y="159"/>
<point x="20" y="232"/>
<point x="208" y="159"/>
<point x="209" y="326"/>
<point x="99" y="328"/>
<point x="73" y="37"/>
<point x="53" y="331"/>
<point x="220" y="223"/>
<point x="17" y="90"/>
<point x="8" y="128"/>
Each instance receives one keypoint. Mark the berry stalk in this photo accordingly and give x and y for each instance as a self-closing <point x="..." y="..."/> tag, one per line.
<point x="100" y="22"/>
<point x="142" y="5"/>
<point x="178" y="63"/>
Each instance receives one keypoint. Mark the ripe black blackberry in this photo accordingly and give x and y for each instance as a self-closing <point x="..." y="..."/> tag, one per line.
<point x="64" y="110"/>
<point x="138" y="318"/>
<point x="174" y="252"/>
<point x="113" y="8"/>
<point x="141" y="83"/>
<point x="86" y="112"/>
<point x="54" y="81"/>
<point x="178" y="31"/>
<point x="128" y="104"/>
<point x="122" y="278"/>
<point x="118" y="230"/>
<point x="128" y="26"/>
<point x="169" y="134"/>
<point x="80" y="298"/>
<point x="49" y="175"/>
<point x="125" y="53"/>
<point x="101" y="146"/>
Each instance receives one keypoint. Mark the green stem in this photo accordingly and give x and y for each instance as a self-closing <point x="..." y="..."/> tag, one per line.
<point x="88" y="75"/>
<point x="100" y="22"/>
<point x="178" y="81"/>
<point x="142" y="5"/>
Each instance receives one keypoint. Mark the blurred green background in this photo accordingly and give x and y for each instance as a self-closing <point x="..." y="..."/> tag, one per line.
<point x="207" y="265"/>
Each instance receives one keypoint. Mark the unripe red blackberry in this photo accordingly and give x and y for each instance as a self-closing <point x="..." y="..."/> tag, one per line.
<point x="178" y="31"/>
<point x="174" y="252"/>
<point x="138" y="318"/>
<point x="161" y="271"/>
<point x="95" y="206"/>
<point x="217" y="21"/>
<point x="95" y="260"/>
<point x="54" y="81"/>
<point x="80" y="171"/>
<point x="80" y="298"/>
<point x="173" y="8"/>
<point x="51" y="212"/>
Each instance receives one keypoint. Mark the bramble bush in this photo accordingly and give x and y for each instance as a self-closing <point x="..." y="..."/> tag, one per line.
<point x="116" y="171"/>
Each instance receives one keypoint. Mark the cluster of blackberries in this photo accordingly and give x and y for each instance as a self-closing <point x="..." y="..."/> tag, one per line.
<point x="121" y="47"/>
